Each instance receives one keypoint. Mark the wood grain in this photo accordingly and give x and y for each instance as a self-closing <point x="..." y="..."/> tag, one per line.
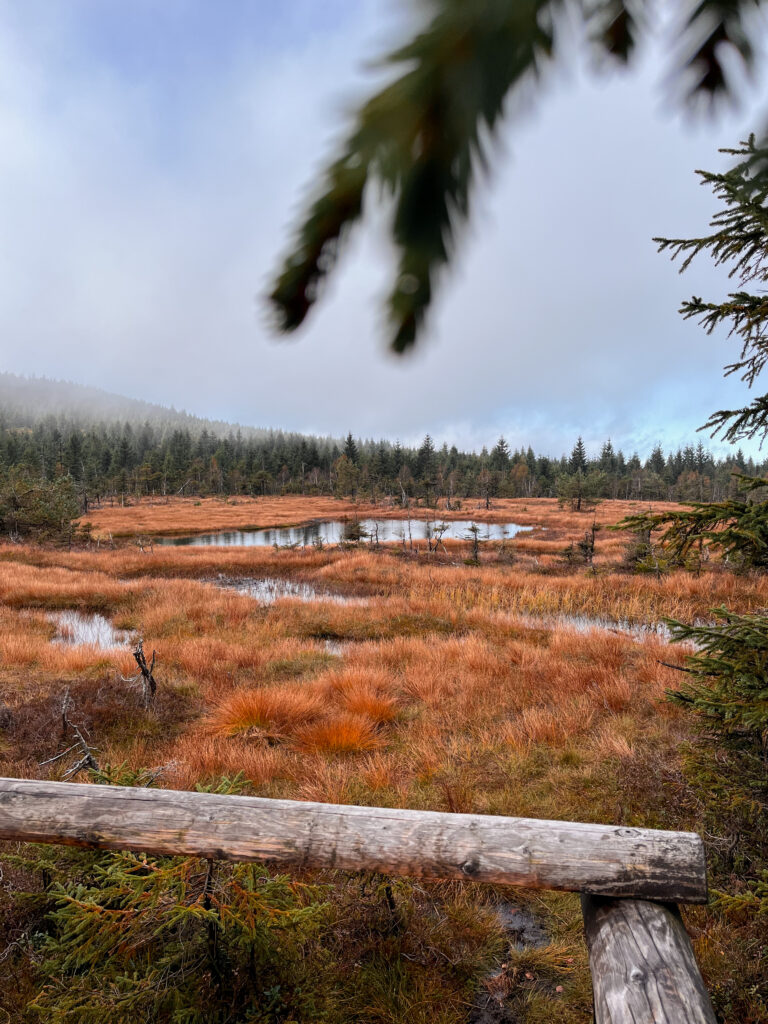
<point x="643" y="967"/>
<point x="600" y="859"/>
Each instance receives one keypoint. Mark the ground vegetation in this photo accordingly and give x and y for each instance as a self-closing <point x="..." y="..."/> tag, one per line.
<point x="533" y="687"/>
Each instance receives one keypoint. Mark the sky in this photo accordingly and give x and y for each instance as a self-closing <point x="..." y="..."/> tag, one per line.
<point x="154" y="157"/>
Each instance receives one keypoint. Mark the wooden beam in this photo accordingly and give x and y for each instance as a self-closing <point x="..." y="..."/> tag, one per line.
<point x="643" y="967"/>
<point x="602" y="859"/>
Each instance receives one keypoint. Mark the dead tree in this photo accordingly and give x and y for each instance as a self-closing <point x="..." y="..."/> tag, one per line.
<point x="145" y="674"/>
<point x="80" y="748"/>
<point x="435" y="540"/>
<point x="587" y="546"/>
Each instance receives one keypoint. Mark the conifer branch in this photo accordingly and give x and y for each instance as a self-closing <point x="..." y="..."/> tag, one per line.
<point x="421" y="139"/>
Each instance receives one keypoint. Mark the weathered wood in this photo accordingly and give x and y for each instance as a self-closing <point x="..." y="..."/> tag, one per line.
<point x="643" y="967"/>
<point x="602" y="859"/>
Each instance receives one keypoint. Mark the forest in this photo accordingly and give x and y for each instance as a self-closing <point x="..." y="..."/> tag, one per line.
<point x="108" y="461"/>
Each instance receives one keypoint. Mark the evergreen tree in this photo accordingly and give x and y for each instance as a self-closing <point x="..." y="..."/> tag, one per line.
<point x="350" y="449"/>
<point x="500" y="456"/>
<point x="607" y="458"/>
<point x="426" y="460"/>
<point x="657" y="463"/>
<point x="737" y="527"/>
<point x="740" y="243"/>
<point x="133" y="938"/>
<point x="578" y="460"/>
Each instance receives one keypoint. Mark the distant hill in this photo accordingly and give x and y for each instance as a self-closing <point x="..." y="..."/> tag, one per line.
<point x="26" y="401"/>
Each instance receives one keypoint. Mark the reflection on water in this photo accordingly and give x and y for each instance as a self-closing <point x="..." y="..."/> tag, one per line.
<point x="585" y="623"/>
<point x="271" y="589"/>
<point x="334" y="531"/>
<point x="336" y="647"/>
<point x="77" y="629"/>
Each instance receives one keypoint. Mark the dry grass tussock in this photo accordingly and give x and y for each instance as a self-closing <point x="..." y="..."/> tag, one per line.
<point x="271" y="710"/>
<point x="345" y="733"/>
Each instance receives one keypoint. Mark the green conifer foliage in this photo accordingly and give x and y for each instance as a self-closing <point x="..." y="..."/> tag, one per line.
<point x="736" y="527"/>
<point x="728" y="674"/>
<point x="739" y="242"/>
<point x="350" y="448"/>
<point x="132" y="938"/>
<point x="578" y="459"/>
<point x="30" y="507"/>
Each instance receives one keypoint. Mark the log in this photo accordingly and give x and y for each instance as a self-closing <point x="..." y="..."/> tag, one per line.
<point x="642" y="963"/>
<point x="603" y="859"/>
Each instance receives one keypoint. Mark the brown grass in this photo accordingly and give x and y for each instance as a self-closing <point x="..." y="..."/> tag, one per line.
<point x="363" y="692"/>
<point x="204" y="515"/>
<point x="273" y="710"/>
<point x="345" y="734"/>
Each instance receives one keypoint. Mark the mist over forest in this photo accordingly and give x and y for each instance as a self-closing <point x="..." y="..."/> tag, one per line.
<point x="106" y="444"/>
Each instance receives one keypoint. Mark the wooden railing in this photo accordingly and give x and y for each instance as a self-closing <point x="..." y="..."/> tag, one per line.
<point x="643" y="968"/>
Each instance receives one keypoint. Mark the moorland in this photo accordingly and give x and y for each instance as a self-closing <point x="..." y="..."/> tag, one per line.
<point x="520" y="677"/>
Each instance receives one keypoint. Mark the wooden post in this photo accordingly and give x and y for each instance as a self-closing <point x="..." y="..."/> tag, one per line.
<point x="601" y="859"/>
<point x="642" y="963"/>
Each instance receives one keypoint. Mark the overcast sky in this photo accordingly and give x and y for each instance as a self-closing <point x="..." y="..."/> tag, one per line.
<point x="153" y="156"/>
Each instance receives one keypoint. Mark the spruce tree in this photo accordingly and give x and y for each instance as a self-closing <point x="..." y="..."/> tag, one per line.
<point x="739" y="242"/>
<point x="500" y="456"/>
<point x="426" y="460"/>
<point x="657" y="463"/>
<point x="607" y="458"/>
<point x="578" y="460"/>
<point x="350" y="449"/>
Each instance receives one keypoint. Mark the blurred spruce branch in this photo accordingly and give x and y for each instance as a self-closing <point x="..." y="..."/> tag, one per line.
<point x="423" y="137"/>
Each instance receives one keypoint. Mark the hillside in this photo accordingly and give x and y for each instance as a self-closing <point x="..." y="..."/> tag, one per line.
<point x="25" y="401"/>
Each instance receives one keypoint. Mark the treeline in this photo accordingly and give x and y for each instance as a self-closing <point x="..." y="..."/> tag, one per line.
<point x="118" y="460"/>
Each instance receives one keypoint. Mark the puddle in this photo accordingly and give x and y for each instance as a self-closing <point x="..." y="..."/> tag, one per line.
<point x="523" y="931"/>
<point x="585" y="623"/>
<point x="521" y="927"/>
<point x="336" y="647"/>
<point x="78" y="629"/>
<point x="335" y="531"/>
<point x="272" y="588"/>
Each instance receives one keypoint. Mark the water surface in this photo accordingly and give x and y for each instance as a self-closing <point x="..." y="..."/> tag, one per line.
<point x="335" y="531"/>
<point x="79" y="629"/>
<point x="269" y="589"/>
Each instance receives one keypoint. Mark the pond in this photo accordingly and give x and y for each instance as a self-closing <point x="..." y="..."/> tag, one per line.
<point x="269" y="589"/>
<point x="77" y="629"/>
<point x="334" y="531"/>
<point x="585" y="623"/>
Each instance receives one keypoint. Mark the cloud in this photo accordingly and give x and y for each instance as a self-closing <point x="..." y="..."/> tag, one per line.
<point x="152" y="166"/>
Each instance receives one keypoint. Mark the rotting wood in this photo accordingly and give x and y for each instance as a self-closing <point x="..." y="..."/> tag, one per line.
<point x="642" y="963"/>
<point x="148" y="682"/>
<point x="600" y="859"/>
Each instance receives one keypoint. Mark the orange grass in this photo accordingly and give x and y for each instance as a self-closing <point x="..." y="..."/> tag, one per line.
<point x="446" y="664"/>
<point x="203" y="515"/>
<point x="366" y="693"/>
<point x="198" y="758"/>
<point x="346" y="734"/>
<point x="277" y="709"/>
